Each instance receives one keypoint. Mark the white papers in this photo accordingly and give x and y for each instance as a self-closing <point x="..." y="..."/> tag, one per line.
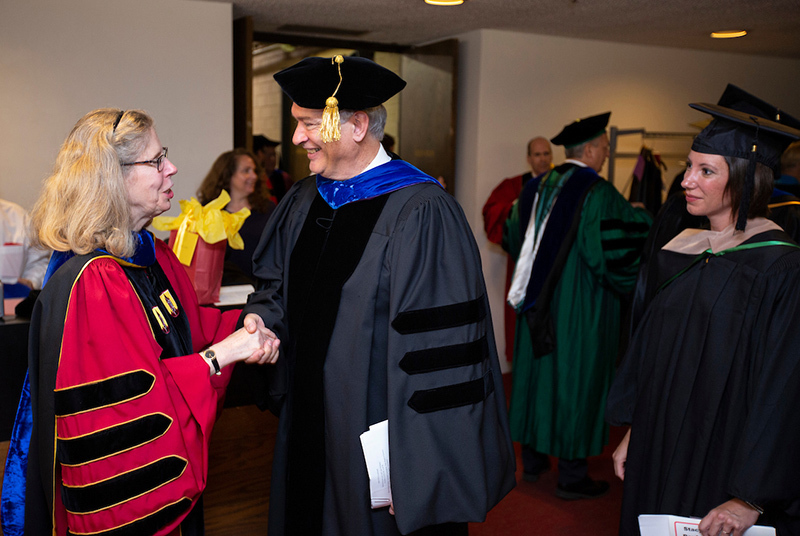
<point x="234" y="294"/>
<point x="666" y="525"/>
<point x="375" y="444"/>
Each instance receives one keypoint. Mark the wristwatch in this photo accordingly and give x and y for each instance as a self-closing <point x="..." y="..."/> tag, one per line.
<point x="211" y="356"/>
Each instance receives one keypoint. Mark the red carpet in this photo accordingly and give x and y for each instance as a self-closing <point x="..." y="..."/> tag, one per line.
<point x="533" y="509"/>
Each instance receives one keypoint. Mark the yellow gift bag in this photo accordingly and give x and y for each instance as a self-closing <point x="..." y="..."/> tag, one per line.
<point x="198" y="237"/>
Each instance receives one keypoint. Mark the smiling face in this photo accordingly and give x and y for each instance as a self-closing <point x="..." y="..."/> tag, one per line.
<point x="149" y="190"/>
<point x="335" y="160"/>
<point x="243" y="181"/>
<point x="704" y="183"/>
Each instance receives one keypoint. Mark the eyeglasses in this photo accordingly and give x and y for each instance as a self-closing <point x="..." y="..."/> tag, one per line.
<point x="157" y="162"/>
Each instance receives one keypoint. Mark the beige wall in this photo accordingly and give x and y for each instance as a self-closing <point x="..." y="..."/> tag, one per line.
<point x="62" y="58"/>
<point x="514" y="86"/>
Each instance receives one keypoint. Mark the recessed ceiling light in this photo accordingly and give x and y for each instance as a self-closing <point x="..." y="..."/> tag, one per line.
<point x="728" y="34"/>
<point x="444" y="2"/>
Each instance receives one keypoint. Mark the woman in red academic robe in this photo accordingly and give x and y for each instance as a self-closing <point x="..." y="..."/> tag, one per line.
<point x="127" y="372"/>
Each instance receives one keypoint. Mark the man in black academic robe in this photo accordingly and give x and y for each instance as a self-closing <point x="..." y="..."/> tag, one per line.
<point x="372" y="279"/>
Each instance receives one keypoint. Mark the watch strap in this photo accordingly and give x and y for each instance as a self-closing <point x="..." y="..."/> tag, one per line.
<point x="212" y="357"/>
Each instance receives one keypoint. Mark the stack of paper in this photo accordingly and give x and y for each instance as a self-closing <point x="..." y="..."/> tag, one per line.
<point x="234" y="294"/>
<point x="666" y="525"/>
<point x="375" y="444"/>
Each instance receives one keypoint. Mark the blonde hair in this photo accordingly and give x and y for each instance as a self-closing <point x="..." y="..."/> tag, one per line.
<point x="84" y="204"/>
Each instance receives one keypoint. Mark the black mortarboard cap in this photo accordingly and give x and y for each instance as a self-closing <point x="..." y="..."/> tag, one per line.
<point x="740" y="100"/>
<point x="743" y="135"/>
<point x="260" y="141"/>
<point x="582" y="130"/>
<point x="353" y="83"/>
<point x="364" y="83"/>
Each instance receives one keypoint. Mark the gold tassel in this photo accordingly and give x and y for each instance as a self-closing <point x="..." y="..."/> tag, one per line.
<point x="329" y="129"/>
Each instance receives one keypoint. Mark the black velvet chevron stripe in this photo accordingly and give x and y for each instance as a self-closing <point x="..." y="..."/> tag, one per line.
<point x="446" y="316"/>
<point x="147" y="525"/>
<point x="122" y="488"/>
<point x="620" y="225"/>
<point x="103" y="393"/>
<point x="452" y="396"/>
<point x="623" y="243"/>
<point x="445" y="357"/>
<point x="626" y="260"/>
<point x="111" y="440"/>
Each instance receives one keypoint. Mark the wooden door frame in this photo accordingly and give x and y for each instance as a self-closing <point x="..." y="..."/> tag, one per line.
<point x="243" y="82"/>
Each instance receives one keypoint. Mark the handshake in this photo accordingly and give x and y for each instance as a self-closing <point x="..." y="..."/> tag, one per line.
<point x="253" y="343"/>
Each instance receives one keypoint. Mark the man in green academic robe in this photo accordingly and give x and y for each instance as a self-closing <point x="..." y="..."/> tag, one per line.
<point x="577" y="243"/>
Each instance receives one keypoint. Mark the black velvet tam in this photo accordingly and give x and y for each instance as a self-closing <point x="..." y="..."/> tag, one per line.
<point x="365" y="84"/>
<point x="735" y="133"/>
<point x="582" y="130"/>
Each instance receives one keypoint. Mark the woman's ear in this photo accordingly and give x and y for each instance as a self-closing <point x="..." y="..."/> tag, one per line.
<point x="360" y="126"/>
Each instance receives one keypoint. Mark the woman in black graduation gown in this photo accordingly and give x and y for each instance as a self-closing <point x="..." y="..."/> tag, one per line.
<point x="711" y="381"/>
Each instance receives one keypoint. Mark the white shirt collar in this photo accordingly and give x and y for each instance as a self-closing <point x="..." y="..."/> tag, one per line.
<point x="381" y="158"/>
<point x="576" y="162"/>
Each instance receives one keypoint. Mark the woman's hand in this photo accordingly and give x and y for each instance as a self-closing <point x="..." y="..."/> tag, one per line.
<point x="729" y="518"/>
<point x="620" y="456"/>
<point x="253" y="343"/>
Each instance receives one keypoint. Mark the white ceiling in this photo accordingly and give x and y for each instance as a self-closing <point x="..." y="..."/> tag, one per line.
<point x="774" y="25"/>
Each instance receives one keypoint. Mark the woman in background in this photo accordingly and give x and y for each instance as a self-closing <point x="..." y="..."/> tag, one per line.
<point x="237" y="172"/>
<point x="126" y="370"/>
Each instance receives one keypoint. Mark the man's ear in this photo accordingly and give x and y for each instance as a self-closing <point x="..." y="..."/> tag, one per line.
<point x="588" y="151"/>
<point x="360" y="126"/>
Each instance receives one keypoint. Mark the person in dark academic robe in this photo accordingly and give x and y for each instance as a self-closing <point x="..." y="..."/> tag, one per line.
<point x="126" y="369"/>
<point x="783" y="207"/>
<point x="274" y="179"/>
<point x="711" y="380"/>
<point x="372" y="279"/>
<point x="784" y="210"/>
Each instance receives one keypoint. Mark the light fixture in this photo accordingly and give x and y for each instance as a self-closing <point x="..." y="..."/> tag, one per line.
<point x="728" y="34"/>
<point x="444" y="2"/>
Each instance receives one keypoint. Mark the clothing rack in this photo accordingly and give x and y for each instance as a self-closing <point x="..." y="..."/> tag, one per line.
<point x="615" y="133"/>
